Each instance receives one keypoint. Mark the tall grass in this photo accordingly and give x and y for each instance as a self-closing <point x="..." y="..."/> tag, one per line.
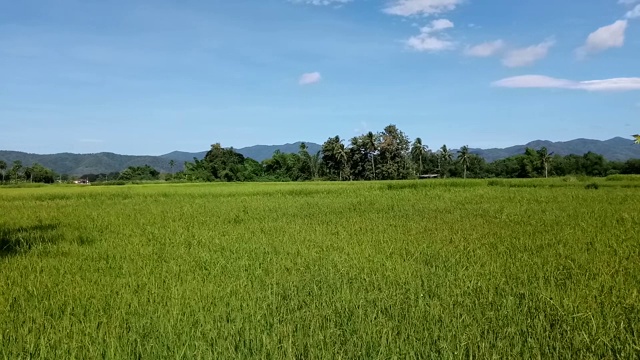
<point x="425" y="269"/>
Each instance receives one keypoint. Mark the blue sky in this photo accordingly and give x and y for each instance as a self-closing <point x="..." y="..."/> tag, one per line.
<point x="153" y="76"/>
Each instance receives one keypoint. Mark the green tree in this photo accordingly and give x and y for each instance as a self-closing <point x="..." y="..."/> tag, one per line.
<point x="172" y="163"/>
<point x="341" y="153"/>
<point x="394" y="148"/>
<point x="463" y="158"/>
<point x="16" y="172"/>
<point x="3" y="168"/>
<point x="418" y="153"/>
<point x="224" y="163"/>
<point x="139" y="173"/>
<point x="444" y="160"/>
<point x="637" y="137"/>
<point x="39" y="174"/>
<point x="305" y="167"/>
<point x="333" y="157"/>
<point x="316" y="163"/>
<point x="371" y="144"/>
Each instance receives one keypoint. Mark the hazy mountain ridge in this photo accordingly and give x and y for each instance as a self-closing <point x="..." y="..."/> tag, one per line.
<point x="618" y="148"/>
<point x="256" y="152"/>
<point x="615" y="149"/>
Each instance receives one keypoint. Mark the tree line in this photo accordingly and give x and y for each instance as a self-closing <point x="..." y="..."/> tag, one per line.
<point x="390" y="155"/>
<point x="385" y="155"/>
<point x="36" y="173"/>
<point x="17" y="172"/>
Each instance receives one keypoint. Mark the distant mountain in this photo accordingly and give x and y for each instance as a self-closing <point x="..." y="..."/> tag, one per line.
<point x="80" y="164"/>
<point x="181" y="156"/>
<point x="256" y="152"/>
<point x="616" y="149"/>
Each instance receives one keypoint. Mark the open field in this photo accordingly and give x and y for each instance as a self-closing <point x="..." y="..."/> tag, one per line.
<point x="432" y="269"/>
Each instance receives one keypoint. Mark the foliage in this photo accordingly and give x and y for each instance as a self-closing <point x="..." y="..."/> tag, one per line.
<point x="139" y="173"/>
<point x="18" y="173"/>
<point x="220" y="164"/>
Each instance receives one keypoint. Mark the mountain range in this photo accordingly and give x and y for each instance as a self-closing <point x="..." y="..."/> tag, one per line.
<point x="616" y="149"/>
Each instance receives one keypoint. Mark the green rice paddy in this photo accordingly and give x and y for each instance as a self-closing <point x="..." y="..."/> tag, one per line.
<point x="376" y="270"/>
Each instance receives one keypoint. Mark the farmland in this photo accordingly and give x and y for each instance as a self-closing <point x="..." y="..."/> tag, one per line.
<point x="431" y="269"/>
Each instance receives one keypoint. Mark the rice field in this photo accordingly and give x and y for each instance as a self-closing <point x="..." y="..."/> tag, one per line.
<point x="377" y="270"/>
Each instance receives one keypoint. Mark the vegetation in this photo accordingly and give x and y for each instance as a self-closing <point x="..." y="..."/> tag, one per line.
<point x="414" y="269"/>
<point x="18" y="173"/>
<point x="617" y="149"/>
<point x="389" y="155"/>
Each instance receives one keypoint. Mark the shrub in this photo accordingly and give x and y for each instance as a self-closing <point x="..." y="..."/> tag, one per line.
<point x="592" y="186"/>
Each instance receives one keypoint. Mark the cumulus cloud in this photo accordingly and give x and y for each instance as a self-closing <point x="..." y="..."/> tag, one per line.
<point x="421" y="7"/>
<point x="610" y="36"/>
<point x="310" y="78"/>
<point x="529" y="55"/>
<point x="634" y="13"/>
<point x="321" y="2"/>
<point x="485" y="49"/>
<point x="429" y="38"/>
<point x="546" y="82"/>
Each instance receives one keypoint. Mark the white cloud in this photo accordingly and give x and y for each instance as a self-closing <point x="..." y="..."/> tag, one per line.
<point x="310" y="78"/>
<point x="486" y="49"/>
<point x="437" y="25"/>
<point x="546" y="82"/>
<point x="321" y="2"/>
<point x="428" y="39"/>
<point x="529" y="55"/>
<point x="421" y="7"/>
<point x="634" y="13"/>
<point x="606" y="37"/>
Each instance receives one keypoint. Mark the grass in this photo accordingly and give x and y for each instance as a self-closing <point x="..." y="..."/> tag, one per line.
<point x="430" y="269"/>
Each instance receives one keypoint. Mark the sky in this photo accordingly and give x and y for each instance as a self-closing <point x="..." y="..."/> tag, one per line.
<point x="154" y="76"/>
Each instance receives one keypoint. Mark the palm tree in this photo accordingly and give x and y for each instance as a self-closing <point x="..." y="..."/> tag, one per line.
<point x="341" y="155"/>
<point x="3" y="168"/>
<point x="637" y="139"/>
<point x="370" y="142"/>
<point x="417" y="152"/>
<point x="545" y="157"/>
<point x="315" y="161"/>
<point x="172" y="163"/>
<point x="463" y="157"/>
<point x="445" y="157"/>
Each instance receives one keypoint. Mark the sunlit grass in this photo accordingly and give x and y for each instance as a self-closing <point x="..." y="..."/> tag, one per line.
<point x="430" y="269"/>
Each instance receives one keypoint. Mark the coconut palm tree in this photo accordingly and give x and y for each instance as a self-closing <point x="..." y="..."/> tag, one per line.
<point x="341" y="155"/>
<point x="446" y="157"/>
<point x="371" y="143"/>
<point x="637" y="138"/>
<point x="418" y="151"/>
<point x="315" y="162"/>
<point x="464" y="156"/>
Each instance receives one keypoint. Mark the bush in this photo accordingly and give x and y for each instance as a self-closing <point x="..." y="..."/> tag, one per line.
<point x="592" y="186"/>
